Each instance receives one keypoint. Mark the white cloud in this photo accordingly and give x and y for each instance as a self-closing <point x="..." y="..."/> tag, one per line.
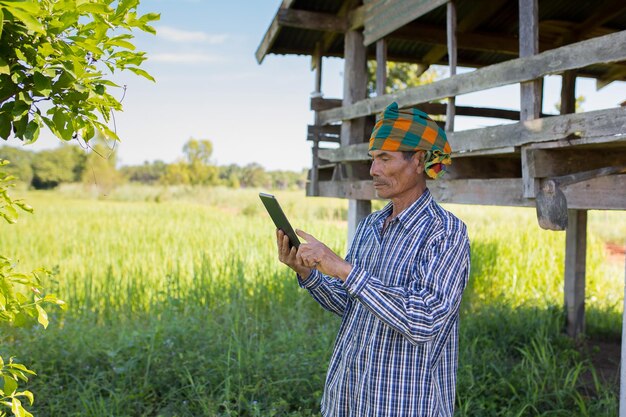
<point x="185" y="58"/>
<point x="178" y="35"/>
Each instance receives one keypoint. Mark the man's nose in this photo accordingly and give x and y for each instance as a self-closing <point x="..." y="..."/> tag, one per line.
<point x="374" y="169"/>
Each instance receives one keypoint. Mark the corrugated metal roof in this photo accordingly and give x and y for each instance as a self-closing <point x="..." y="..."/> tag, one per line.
<point x="560" y="22"/>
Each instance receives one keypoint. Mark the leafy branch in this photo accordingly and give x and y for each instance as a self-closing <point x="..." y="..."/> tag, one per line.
<point x="63" y="52"/>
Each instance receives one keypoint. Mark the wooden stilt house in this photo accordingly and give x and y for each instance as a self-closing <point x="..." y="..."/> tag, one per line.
<point x="561" y="164"/>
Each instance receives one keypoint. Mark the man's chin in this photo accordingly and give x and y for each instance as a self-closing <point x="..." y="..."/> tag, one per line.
<point x="380" y="193"/>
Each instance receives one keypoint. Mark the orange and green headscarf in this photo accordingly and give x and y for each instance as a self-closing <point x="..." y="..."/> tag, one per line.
<point x="412" y="130"/>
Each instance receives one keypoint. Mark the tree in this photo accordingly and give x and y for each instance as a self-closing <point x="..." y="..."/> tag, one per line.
<point x="56" y="58"/>
<point x="53" y="57"/>
<point x="61" y="165"/>
<point x="148" y="173"/>
<point x="196" y="168"/>
<point x="253" y="175"/>
<point x="20" y="166"/>
<point x="198" y="155"/>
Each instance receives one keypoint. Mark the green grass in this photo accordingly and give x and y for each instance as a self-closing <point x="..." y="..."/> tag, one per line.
<point x="179" y="307"/>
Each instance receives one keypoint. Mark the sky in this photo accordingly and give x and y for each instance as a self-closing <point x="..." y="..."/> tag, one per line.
<point x="209" y="86"/>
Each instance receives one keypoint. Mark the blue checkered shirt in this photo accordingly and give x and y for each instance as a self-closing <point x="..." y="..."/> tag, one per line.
<point x="397" y="347"/>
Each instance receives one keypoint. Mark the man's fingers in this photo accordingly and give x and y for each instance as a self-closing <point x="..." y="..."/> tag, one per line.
<point x="304" y="235"/>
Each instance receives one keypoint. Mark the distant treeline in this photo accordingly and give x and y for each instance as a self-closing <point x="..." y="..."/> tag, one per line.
<point x="70" y="164"/>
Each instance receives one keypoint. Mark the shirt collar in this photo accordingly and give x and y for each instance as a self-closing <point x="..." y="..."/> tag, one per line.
<point x="413" y="213"/>
<point x="409" y="216"/>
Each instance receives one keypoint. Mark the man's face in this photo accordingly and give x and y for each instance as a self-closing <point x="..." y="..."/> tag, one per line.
<point x="393" y="175"/>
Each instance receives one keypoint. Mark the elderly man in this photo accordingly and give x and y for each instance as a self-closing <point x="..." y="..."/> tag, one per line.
<point x="399" y="288"/>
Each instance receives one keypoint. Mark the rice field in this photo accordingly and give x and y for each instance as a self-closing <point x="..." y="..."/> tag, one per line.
<point x="179" y="307"/>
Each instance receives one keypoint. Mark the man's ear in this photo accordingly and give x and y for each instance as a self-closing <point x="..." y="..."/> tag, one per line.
<point x="418" y="157"/>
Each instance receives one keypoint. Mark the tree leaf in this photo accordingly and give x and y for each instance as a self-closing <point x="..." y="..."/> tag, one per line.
<point x="27" y="394"/>
<point x="10" y="385"/>
<point x="1" y="21"/>
<point x="5" y="125"/>
<point x="29" y="6"/>
<point x="43" y="84"/>
<point x="98" y="8"/>
<point x="63" y="124"/>
<point x="42" y="316"/>
<point x="31" y="23"/>
<point x="121" y="43"/>
<point x="141" y="72"/>
<point x="32" y="131"/>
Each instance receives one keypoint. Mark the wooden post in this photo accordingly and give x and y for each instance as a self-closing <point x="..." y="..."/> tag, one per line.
<point x="381" y="67"/>
<point x="622" y="391"/>
<point x="575" y="264"/>
<point x="530" y="93"/>
<point x="576" y="236"/>
<point x="317" y="65"/>
<point x="568" y="92"/>
<point x="353" y="131"/>
<point x="315" y="183"/>
<point x="452" y="57"/>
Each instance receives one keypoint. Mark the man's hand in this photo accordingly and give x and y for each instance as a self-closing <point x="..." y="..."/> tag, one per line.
<point x="314" y="254"/>
<point x="288" y="255"/>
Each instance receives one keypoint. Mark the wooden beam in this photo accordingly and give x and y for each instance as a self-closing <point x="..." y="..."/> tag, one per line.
<point x="603" y="12"/>
<point x="616" y="73"/>
<point x="303" y="19"/>
<point x="329" y="38"/>
<point x="356" y="18"/>
<point x="557" y="162"/>
<point x="575" y="265"/>
<point x="608" y="125"/>
<point x="598" y="50"/>
<point x="321" y="103"/>
<point x="603" y="127"/>
<point x="474" y="41"/>
<point x="385" y="16"/>
<point x="500" y="192"/>
<point x="328" y="133"/>
<point x="598" y="193"/>
<point x="271" y="34"/>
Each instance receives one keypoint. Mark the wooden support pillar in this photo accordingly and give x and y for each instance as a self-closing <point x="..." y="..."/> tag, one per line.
<point x="576" y="236"/>
<point x="568" y="92"/>
<point x="317" y="66"/>
<point x="381" y="67"/>
<point x="317" y="92"/>
<point x="622" y="391"/>
<point x="575" y="265"/>
<point x="353" y="131"/>
<point x="530" y="92"/>
<point x="452" y="58"/>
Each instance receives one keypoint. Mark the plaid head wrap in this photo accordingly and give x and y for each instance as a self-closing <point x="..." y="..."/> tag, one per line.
<point x="412" y="130"/>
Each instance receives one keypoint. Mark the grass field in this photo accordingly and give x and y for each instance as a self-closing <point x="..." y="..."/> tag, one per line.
<point x="179" y="307"/>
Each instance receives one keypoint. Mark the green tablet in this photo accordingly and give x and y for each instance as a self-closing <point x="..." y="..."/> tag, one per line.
<point x="279" y="218"/>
